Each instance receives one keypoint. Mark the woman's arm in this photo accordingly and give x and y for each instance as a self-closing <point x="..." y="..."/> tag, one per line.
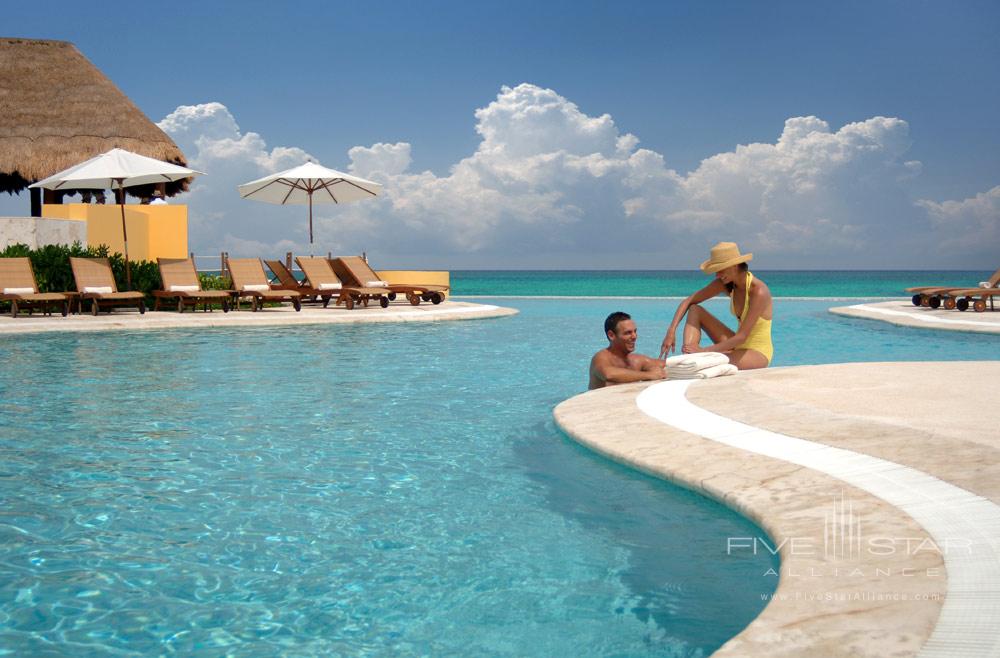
<point x="713" y="289"/>
<point x="759" y="298"/>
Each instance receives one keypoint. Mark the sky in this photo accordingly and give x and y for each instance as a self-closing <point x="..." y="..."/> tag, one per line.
<point x="589" y="135"/>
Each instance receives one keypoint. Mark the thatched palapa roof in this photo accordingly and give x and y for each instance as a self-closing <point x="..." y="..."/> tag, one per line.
<point x="57" y="110"/>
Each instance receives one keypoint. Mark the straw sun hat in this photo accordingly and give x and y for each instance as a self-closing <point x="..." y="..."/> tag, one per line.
<point x="724" y="254"/>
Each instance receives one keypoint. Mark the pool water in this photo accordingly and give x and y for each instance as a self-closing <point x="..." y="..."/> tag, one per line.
<point x="364" y="490"/>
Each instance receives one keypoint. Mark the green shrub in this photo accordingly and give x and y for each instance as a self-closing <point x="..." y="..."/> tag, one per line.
<point x="54" y="274"/>
<point x="215" y="282"/>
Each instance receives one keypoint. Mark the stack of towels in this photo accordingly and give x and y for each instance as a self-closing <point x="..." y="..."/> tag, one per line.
<point x="702" y="365"/>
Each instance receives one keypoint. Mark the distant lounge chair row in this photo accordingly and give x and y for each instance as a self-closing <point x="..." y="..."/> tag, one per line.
<point x="961" y="298"/>
<point x="350" y="280"/>
<point x="94" y="282"/>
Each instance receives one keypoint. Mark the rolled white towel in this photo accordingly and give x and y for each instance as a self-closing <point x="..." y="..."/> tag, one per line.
<point x="721" y="370"/>
<point x="688" y="365"/>
<point x="986" y="284"/>
<point x="698" y="359"/>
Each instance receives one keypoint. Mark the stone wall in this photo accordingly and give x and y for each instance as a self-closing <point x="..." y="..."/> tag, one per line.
<point x="40" y="231"/>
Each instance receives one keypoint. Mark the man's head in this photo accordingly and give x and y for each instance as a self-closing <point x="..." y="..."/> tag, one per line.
<point x="620" y="330"/>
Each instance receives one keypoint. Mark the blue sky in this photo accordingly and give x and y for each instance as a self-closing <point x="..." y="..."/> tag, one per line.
<point x="693" y="82"/>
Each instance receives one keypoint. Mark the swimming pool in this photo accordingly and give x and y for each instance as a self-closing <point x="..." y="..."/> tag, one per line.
<point x="380" y="489"/>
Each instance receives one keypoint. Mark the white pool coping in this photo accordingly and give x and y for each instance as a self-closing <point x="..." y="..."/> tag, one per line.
<point x="970" y="617"/>
<point x="131" y="320"/>
<point x="903" y="313"/>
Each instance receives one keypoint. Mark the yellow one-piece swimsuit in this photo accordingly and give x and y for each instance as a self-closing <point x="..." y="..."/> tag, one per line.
<point x="759" y="339"/>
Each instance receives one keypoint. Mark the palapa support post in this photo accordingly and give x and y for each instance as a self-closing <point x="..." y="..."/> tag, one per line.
<point x="36" y="202"/>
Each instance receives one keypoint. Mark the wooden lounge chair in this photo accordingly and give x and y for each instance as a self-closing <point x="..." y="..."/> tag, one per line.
<point x="96" y="282"/>
<point x="963" y="298"/>
<point x="19" y="287"/>
<point x="321" y="277"/>
<point x="935" y="296"/>
<point x="180" y="282"/>
<point x="355" y="271"/>
<point x="287" y="281"/>
<point x="250" y="281"/>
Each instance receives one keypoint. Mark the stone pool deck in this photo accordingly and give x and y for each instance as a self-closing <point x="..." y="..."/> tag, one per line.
<point x="131" y="320"/>
<point x="880" y="483"/>
<point x="904" y="313"/>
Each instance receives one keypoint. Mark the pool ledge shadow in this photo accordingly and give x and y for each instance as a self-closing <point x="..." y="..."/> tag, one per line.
<point x="904" y="314"/>
<point x="131" y="320"/>
<point x="882" y="496"/>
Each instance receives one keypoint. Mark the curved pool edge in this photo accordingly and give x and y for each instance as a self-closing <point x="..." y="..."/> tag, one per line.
<point x="866" y="615"/>
<point x="131" y="320"/>
<point x="903" y="313"/>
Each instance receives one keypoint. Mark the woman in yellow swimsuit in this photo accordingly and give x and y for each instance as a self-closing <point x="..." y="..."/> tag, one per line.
<point x="750" y="345"/>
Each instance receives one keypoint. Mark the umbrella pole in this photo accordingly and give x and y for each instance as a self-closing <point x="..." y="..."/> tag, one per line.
<point x="128" y="270"/>
<point x="310" y="218"/>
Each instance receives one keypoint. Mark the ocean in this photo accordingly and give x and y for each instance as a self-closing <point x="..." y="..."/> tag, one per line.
<point x="814" y="284"/>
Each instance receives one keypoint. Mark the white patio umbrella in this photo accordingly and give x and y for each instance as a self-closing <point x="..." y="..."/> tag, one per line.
<point x="307" y="184"/>
<point x="116" y="170"/>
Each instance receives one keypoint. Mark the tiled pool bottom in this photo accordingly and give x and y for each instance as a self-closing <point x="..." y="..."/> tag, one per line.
<point x="342" y="490"/>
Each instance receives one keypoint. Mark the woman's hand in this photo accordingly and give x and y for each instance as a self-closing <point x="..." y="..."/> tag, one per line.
<point x="667" y="346"/>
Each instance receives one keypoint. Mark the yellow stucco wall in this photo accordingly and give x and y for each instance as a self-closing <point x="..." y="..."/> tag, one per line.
<point x="416" y="277"/>
<point x="153" y="231"/>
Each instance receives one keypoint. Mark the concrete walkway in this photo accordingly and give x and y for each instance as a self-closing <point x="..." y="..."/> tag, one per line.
<point x="131" y="320"/>
<point x="881" y="483"/>
<point x="904" y="313"/>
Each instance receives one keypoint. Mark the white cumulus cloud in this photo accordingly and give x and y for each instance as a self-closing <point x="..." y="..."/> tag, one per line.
<point x="550" y="186"/>
<point x="971" y="225"/>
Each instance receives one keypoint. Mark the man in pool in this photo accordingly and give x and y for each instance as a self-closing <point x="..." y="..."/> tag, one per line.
<point x="617" y="363"/>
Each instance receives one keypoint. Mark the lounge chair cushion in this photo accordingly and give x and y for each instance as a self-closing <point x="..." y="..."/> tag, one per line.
<point x="377" y="283"/>
<point x="97" y="290"/>
<point x="257" y="287"/>
<point x="18" y="291"/>
<point x="184" y="288"/>
<point x="330" y="286"/>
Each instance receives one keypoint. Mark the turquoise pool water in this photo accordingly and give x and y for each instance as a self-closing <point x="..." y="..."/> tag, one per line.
<point x="363" y="490"/>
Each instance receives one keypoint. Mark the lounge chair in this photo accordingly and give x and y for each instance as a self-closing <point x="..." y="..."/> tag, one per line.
<point x="287" y="281"/>
<point x="321" y="277"/>
<point x="935" y="296"/>
<point x="974" y="297"/>
<point x="250" y="281"/>
<point x="19" y="287"/>
<point x="180" y="282"/>
<point x="355" y="271"/>
<point x="96" y="282"/>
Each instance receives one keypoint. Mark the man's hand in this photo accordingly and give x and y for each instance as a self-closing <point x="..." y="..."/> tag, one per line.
<point x="658" y="372"/>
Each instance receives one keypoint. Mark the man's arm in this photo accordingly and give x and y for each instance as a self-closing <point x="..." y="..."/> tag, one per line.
<point x="603" y="369"/>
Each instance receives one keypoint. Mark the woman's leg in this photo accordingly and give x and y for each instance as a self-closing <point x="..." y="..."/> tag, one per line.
<point x="748" y="359"/>
<point x="699" y="319"/>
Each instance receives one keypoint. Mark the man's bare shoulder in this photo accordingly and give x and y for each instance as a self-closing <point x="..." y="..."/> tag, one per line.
<point x="601" y="356"/>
